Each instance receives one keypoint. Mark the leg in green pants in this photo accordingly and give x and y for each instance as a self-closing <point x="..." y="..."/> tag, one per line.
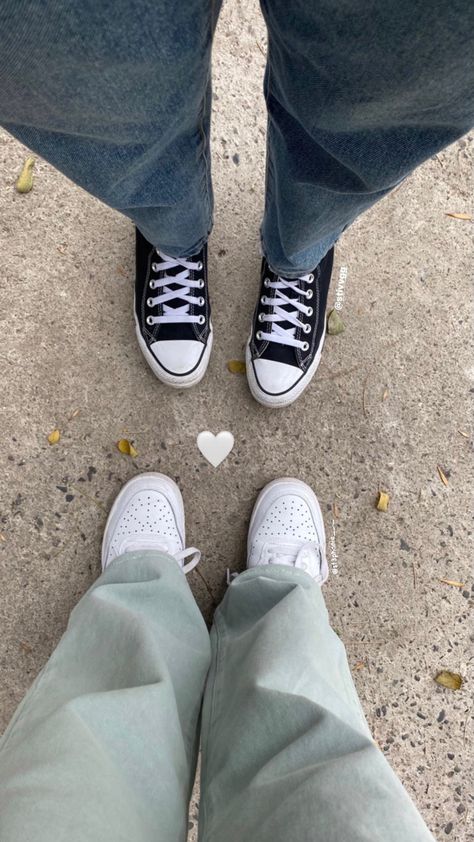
<point x="104" y="745"/>
<point x="103" y="748"/>
<point x="287" y="753"/>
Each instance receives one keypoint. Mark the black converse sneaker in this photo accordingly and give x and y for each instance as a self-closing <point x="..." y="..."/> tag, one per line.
<point x="289" y="326"/>
<point x="172" y="314"/>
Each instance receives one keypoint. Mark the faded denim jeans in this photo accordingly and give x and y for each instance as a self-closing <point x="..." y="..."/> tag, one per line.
<point x="117" y="95"/>
<point x="103" y="748"/>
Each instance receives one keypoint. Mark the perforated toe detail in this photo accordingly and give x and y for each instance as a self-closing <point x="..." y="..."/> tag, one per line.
<point x="289" y="516"/>
<point x="147" y="514"/>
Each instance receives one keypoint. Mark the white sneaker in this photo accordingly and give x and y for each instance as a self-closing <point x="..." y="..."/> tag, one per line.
<point x="148" y="514"/>
<point x="287" y="527"/>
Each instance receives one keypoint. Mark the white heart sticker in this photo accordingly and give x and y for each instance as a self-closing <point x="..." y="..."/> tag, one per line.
<point x="215" y="448"/>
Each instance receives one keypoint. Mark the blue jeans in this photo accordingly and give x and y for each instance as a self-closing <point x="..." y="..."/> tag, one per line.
<point x="117" y="95"/>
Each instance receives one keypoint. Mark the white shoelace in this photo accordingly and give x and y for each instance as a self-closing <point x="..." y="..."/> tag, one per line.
<point x="281" y="335"/>
<point x="307" y="557"/>
<point x="196" y="558"/>
<point x="134" y="544"/>
<point x="180" y="314"/>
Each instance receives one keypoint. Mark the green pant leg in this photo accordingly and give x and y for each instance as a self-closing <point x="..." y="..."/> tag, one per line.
<point x="103" y="747"/>
<point x="287" y="753"/>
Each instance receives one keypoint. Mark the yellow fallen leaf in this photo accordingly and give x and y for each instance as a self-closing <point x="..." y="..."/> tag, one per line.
<point x="452" y="582"/>
<point x="236" y="366"/>
<point x="451" y="680"/>
<point x="2" y="537"/>
<point x="335" y="509"/>
<point x="335" y="325"/>
<point x="74" y="414"/>
<point x="442" y="475"/>
<point x="460" y="215"/>
<point x="385" y="395"/>
<point x="383" y="501"/>
<point x="359" y="665"/>
<point x="126" y="446"/>
<point x="54" y="437"/>
<point x="462" y="433"/>
<point x="24" y="182"/>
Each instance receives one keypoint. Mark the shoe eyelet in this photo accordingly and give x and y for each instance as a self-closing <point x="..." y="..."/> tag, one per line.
<point x="309" y="311"/>
<point x="309" y="293"/>
<point x="263" y="300"/>
<point x="201" y="320"/>
<point x="152" y="285"/>
<point x="149" y="320"/>
<point x="305" y="346"/>
<point x="199" y="266"/>
<point x="258" y="335"/>
<point x="267" y="282"/>
<point x="310" y="279"/>
<point x="307" y="328"/>
<point x="201" y="283"/>
<point x="261" y="317"/>
<point x="201" y="301"/>
<point x="149" y="302"/>
<point x="155" y="267"/>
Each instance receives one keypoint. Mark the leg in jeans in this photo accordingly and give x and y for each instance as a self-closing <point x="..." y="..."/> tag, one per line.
<point x="116" y="94"/>
<point x="104" y="745"/>
<point x="287" y="754"/>
<point x="358" y="95"/>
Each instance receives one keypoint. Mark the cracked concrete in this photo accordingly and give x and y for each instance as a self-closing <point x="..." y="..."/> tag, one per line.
<point x="390" y="403"/>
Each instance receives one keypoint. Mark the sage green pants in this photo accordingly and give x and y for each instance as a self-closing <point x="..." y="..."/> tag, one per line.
<point x="103" y="748"/>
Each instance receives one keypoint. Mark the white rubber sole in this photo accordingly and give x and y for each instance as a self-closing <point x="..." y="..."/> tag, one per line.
<point x="176" y="381"/>
<point x="279" y="401"/>
<point x="278" y="488"/>
<point x="142" y="482"/>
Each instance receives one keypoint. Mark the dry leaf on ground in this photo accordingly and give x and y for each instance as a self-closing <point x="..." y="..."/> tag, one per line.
<point x="383" y="501"/>
<point x="24" y="182"/>
<point x="453" y="583"/>
<point x="466" y="216"/>
<point x="126" y="446"/>
<point x="236" y="366"/>
<point x="451" y="680"/>
<point x="54" y="437"/>
<point x="442" y="475"/>
<point x="335" y="325"/>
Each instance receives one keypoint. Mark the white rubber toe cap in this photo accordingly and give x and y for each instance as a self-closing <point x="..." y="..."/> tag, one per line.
<point x="274" y="377"/>
<point x="178" y="356"/>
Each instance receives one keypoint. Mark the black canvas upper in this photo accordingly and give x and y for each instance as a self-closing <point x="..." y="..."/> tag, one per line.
<point x="263" y="349"/>
<point x="146" y="255"/>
